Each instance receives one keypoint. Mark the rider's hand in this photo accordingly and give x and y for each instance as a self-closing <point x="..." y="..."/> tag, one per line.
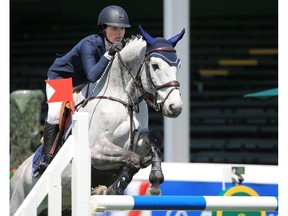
<point x="116" y="47"/>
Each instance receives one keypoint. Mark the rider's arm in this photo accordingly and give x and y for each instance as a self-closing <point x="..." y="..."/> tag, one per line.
<point x="93" y="64"/>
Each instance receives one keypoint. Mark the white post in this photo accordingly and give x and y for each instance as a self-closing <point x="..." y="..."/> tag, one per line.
<point x="176" y="131"/>
<point x="55" y="194"/>
<point x="76" y="148"/>
<point x="81" y="167"/>
<point x="42" y="186"/>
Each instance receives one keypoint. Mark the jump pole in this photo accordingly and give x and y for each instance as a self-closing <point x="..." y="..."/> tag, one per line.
<point x="100" y="203"/>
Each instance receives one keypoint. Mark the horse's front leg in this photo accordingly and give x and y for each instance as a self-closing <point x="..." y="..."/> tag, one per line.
<point x="130" y="168"/>
<point x="156" y="176"/>
<point x="151" y="142"/>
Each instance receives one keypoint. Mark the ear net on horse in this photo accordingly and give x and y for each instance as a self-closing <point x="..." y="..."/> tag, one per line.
<point x="150" y="40"/>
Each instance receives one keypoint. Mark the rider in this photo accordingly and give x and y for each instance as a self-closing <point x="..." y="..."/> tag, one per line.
<point x="85" y="62"/>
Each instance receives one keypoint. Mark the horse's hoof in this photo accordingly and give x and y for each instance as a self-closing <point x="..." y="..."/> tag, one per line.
<point x="114" y="191"/>
<point x="153" y="191"/>
<point x="100" y="190"/>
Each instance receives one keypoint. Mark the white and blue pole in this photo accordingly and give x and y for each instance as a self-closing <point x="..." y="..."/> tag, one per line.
<point x="100" y="203"/>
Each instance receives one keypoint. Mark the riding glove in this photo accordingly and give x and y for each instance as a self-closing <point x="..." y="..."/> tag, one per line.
<point x="116" y="47"/>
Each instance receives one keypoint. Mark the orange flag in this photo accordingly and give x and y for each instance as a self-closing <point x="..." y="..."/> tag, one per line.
<point x="63" y="91"/>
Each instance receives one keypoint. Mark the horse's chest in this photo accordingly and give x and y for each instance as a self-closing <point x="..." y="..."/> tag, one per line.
<point x="123" y="127"/>
<point x="112" y="122"/>
<point x="120" y="125"/>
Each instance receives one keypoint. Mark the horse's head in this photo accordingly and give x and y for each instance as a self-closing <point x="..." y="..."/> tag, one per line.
<point x="160" y="72"/>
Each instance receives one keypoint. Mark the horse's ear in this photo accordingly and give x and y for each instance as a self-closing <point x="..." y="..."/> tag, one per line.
<point x="148" y="38"/>
<point x="174" y="40"/>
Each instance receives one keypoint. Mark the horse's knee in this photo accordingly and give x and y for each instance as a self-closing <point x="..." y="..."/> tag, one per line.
<point x="150" y="138"/>
<point x="141" y="143"/>
<point x="132" y="159"/>
<point x="145" y="140"/>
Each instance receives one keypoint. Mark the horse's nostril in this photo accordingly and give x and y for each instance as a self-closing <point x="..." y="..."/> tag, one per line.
<point x="172" y="107"/>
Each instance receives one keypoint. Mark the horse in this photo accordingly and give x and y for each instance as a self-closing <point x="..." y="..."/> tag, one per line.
<point x="144" y="73"/>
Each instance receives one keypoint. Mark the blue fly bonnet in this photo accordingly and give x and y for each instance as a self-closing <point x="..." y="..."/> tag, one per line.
<point x="162" y="48"/>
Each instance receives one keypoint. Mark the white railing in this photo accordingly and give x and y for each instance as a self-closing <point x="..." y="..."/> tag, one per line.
<point x="75" y="150"/>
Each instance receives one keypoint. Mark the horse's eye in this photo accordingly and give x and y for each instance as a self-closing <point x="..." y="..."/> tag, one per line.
<point x="155" y="66"/>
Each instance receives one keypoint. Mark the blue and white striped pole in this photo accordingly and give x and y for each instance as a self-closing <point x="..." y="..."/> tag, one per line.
<point x="100" y="203"/>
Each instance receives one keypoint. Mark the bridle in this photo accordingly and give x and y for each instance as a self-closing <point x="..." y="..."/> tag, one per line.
<point x="156" y="104"/>
<point x="174" y="83"/>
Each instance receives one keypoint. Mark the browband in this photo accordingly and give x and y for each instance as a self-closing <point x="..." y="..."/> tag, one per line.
<point x="161" y="49"/>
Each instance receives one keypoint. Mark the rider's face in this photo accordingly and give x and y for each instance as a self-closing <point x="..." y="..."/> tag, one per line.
<point x="114" y="34"/>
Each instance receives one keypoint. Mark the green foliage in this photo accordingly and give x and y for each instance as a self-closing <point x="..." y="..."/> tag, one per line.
<point x="25" y="110"/>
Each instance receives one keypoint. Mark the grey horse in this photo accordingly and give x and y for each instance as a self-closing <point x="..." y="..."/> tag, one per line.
<point x="144" y="73"/>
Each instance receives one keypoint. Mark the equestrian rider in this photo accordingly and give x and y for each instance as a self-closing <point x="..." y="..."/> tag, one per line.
<point x="85" y="62"/>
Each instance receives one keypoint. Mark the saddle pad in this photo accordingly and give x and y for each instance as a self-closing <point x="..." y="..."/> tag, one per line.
<point x="38" y="156"/>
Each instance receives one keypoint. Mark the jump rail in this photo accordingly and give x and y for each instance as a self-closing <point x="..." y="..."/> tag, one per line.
<point x="229" y="203"/>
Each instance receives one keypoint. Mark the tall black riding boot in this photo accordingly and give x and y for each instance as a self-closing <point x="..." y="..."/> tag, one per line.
<point x="50" y="133"/>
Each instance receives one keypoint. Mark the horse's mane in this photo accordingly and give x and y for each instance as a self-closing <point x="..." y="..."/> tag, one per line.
<point x="135" y="42"/>
<point x="134" y="49"/>
<point x="127" y="40"/>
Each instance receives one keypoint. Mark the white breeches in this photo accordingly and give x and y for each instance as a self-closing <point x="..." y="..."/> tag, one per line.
<point x="54" y="108"/>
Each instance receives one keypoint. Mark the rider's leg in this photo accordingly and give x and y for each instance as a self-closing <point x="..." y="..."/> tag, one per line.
<point x="51" y="128"/>
<point x="50" y="133"/>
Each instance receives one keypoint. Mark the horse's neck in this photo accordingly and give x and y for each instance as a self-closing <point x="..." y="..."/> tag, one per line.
<point x="115" y="83"/>
<point x="118" y="81"/>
